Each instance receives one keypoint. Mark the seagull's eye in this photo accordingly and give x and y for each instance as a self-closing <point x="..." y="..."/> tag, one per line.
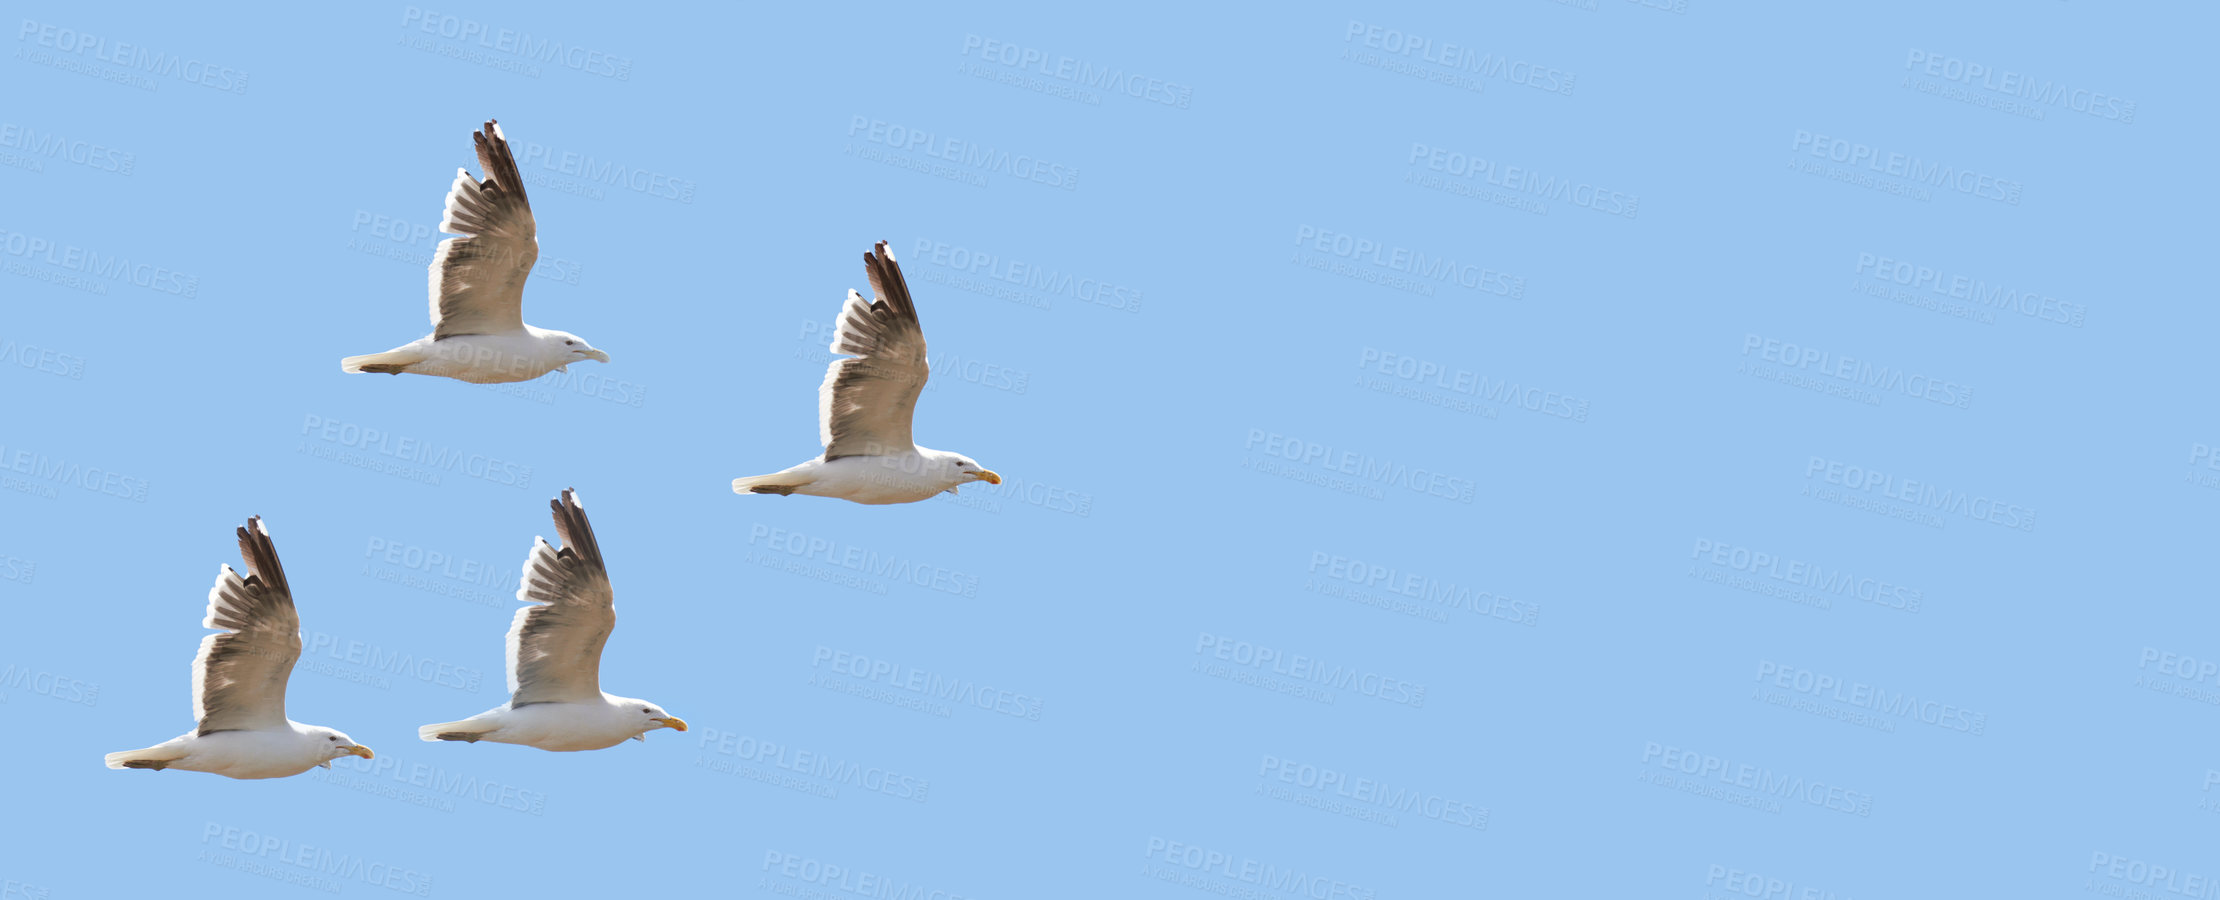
<point x="571" y="343"/>
<point x="335" y="740"/>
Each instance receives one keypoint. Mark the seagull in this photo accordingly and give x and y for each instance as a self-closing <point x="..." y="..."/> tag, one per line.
<point x="555" y="696"/>
<point x="865" y="405"/>
<point x="239" y="682"/>
<point x="478" y="331"/>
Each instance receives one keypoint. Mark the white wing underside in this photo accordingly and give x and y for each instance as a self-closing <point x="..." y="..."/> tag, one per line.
<point x="554" y="643"/>
<point x="477" y="281"/>
<point x="866" y="403"/>
<point x="239" y="675"/>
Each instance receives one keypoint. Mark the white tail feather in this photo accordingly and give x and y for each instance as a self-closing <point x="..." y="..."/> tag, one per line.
<point x="165" y="754"/>
<point x="788" y="479"/>
<point x="466" y="726"/>
<point x="388" y="358"/>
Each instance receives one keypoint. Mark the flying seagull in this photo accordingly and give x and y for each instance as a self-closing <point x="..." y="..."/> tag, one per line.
<point x="864" y="407"/>
<point x="239" y="682"/>
<point x="478" y="331"/>
<point x="555" y="696"/>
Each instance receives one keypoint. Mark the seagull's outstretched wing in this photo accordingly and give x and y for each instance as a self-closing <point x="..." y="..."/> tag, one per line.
<point x="864" y="406"/>
<point x="555" y="642"/>
<point x="478" y="280"/>
<point x="239" y="675"/>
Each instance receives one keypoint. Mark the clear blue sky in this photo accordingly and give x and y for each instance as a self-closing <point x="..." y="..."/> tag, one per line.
<point x="1601" y="448"/>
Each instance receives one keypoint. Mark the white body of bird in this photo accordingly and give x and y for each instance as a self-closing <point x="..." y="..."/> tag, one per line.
<point x="897" y="478"/>
<point x="244" y="754"/>
<point x="563" y="726"/>
<point x="481" y="358"/>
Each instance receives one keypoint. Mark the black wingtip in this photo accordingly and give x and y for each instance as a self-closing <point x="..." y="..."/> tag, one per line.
<point x="499" y="163"/>
<point x="887" y="284"/>
<point x="259" y="552"/>
<point x="575" y="530"/>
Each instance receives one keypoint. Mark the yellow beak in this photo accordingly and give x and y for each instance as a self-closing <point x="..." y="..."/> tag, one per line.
<point x="362" y="751"/>
<point x="988" y="476"/>
<point x="674" y="723"/>
<point x="598" y="355"/>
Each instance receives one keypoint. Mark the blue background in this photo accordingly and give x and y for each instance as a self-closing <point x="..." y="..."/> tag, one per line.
<point x="1591" y="622"/>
